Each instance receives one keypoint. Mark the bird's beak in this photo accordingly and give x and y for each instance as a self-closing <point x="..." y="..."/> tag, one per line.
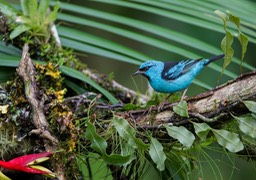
<point x="137" y="72"/>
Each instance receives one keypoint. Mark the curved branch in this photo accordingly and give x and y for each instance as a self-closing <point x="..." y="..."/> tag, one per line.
<point x="26" y="71"/>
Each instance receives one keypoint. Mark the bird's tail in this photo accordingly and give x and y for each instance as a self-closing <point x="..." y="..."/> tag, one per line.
<point x="215" y="58"/>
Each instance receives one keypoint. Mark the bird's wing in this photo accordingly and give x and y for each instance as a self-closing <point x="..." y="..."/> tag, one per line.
<point x="174" y="70"/>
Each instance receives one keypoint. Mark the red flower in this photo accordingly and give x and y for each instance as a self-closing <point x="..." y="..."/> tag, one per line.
<point x="28" y="163"/>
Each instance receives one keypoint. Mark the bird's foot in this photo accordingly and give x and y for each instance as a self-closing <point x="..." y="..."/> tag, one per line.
<point x="183" y="96"/>
<point x="162" y="105"/>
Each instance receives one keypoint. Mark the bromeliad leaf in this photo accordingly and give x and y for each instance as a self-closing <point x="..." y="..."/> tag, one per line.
<point x="251" y="105"/>
<point x="202" y="130"/>
<point x="247" y="125"/>
<point x="228" y="140"/>
<point x="181" y="109"/>
<point x="157" y="154"/>
<point x="98" y="143"/>
<point x="185" y="137"/>
<point x="128" y="133"/>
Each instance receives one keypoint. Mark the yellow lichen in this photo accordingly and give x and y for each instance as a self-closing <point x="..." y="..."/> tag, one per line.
<point x="4" y="109"/>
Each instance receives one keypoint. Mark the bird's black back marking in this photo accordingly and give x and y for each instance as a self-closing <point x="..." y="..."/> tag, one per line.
<point x="168" y="65"/>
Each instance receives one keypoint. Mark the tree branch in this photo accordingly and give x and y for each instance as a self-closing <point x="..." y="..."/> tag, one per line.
<point x="210" y="106"/>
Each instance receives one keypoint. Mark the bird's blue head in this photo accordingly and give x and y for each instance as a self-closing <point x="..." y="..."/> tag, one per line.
<point x="150" y="69"/>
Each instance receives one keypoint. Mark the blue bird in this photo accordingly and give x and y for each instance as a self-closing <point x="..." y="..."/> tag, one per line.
<point x="170" y="77"/>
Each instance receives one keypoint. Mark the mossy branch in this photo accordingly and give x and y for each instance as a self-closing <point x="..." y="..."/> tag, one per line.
<point x="211" y="106"/>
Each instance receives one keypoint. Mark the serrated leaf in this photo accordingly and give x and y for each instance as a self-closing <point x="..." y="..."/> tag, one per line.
<point x="116" y="159"/>
<point x="243" y="39"/>
<point x="157" y="154"/>
<point x="128" y="133"/>
<point x="228" y="140"/>
<point x="202" y="130"/>
<point x="181" y="109"/>
<point x="185" y="137"/>
<point x="98" y="143"/>
<point x="247" y="125"/>
<point x="251" y="105"/>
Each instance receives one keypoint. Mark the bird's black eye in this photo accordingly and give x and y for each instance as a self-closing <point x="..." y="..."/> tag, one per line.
<point x="145" y="68"/>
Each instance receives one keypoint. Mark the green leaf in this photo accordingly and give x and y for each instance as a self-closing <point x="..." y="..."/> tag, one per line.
<point x="24" y="20"/>
<point x="79" y="75"/>
<point x="116" y="159"/>
<point x="228" y="140"/>
<point x="42" y="9"/>
<point x="202" y="130"/>
<point x="157" y="154"/>
<point x="185" y="137"/>
<point x="93" y="164"/>
<point x="8" y="10"/>
<point x="126" y="149"/>
<point x="227" y="49"/>
<point x="25" y="7"/>
<point x="222" y="15"/>
<point x="130" y="106"/>
<point x="75" y="87"/>
<point x="14" y="61"/>
<point x="33" y="9"/>
<point x="6" y="74"/>
<point x="243" y="39"/>
<point x="53" y="14"/>
<point x="247" y="125"/>
<point x="251" y="105"/>
<point x="181" y="109"/>
<point x="234" y="19"/>
<point x="98" y="143"/>
<point x="18" y="30"/>
<point x="127" y="132"/>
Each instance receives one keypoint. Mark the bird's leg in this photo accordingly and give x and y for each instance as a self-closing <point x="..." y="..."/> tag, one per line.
<point x="183" y="96"/>
<point x="160" y="107"/>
